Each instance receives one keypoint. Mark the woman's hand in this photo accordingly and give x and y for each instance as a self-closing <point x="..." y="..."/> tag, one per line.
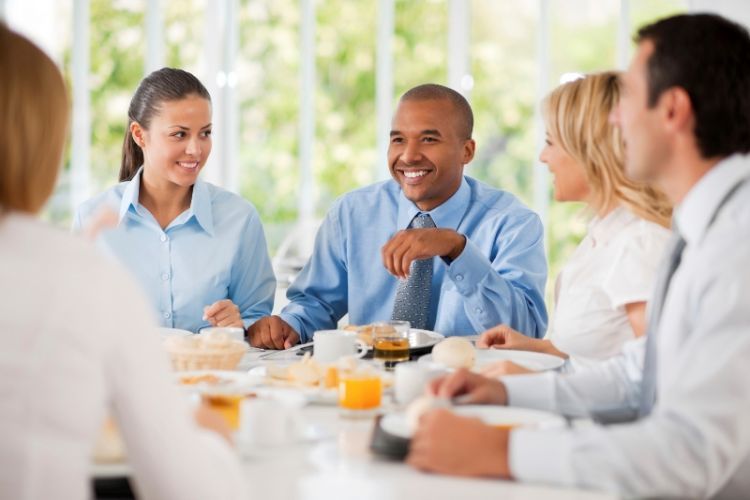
<point x="211" y="420"/>
<point x="500" y="368"/>
<point x="504" y="337"/>
<point x="223" y="313"/>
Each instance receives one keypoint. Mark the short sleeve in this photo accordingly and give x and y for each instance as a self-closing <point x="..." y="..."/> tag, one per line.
<point x="637" y="254"/>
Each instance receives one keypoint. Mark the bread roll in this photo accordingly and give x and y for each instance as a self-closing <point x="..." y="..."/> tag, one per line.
<point x="454" y="352"/>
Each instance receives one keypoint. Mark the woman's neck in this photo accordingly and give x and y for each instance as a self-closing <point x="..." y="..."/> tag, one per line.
<point x="165" y="200"/>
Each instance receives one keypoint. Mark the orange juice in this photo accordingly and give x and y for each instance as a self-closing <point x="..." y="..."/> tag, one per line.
<point x="505" y="427"/>
<point x="360" y="391"/>
<point x="228" y="406"/>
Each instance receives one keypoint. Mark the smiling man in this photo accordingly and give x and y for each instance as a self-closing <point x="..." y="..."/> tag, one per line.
<point x="432" y="246"/>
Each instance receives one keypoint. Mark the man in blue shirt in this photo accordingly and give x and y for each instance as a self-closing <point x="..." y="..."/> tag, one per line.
<point x="491" y="266"/>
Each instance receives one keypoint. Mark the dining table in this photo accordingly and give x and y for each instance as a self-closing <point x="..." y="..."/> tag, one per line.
<point x="332" y="460"/>
<point x="336" y="462"/>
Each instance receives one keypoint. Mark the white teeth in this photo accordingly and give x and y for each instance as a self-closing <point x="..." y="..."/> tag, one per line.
<point x="412" y="175"/>
<point x="188" y="165"/>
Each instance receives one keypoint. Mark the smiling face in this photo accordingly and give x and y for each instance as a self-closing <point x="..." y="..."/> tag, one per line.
<point x="427" y="152"/>
<point x="177" y="143"/>
<point x="569" y="176"/>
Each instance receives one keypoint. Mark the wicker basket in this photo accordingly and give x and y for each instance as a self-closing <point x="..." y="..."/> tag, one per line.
<point x="226" y="358"/>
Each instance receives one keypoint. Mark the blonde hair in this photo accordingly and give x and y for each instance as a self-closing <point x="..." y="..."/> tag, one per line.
<point x="577" y="116"/>
<point x="34" y="120"/>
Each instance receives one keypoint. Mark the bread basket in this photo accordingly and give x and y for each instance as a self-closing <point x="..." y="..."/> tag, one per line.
<point x="205" y="352"/>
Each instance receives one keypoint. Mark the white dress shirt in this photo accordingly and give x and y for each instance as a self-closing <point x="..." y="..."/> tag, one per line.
<point x="696" y="442"/>
<point x="614" y="265"/>
<point x="76" y="342"/>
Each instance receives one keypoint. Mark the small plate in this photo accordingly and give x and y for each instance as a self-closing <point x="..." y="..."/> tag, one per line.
<point x="313" y="394"/>
<point x="535" y="361"/>
<point x="109" y="470"/>
<point x="396" y="424"/>
<point x="173" y="332"/>
<point x="226" y="381"/>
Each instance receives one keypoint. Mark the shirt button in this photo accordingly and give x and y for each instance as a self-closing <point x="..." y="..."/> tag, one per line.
<point x="167" y="315"/>
<point x="459" y="277"/>
<point x="163" y="238"/>
<point x="478" y="310"/>
<point x="165" y="277"/>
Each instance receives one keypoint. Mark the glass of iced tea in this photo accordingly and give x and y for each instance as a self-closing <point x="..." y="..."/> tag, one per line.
<point x="390" y="342"/>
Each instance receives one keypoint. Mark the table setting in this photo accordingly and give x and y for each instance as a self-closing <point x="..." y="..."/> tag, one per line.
<point x="316" y="423"/>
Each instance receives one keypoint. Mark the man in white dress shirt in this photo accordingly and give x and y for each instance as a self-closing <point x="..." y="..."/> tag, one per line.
<point x="684" y="417"/>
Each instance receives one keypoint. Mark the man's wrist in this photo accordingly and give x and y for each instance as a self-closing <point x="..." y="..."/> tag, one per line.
<point x="497" y="461"/>
<point x="457" y="248"/>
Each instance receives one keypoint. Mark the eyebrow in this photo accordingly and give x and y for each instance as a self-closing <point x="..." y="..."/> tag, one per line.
<point x="188" y="128"/>
<point x="434" y="132"/>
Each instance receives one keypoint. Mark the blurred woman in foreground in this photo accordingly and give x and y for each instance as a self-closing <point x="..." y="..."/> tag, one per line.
<point x="601" y="292"/>
<point x="77" y="339"/>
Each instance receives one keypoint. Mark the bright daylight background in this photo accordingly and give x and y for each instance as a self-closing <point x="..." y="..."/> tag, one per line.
<point x="303" y="90"/>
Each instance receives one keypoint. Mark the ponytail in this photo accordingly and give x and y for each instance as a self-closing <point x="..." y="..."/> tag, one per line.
<point x="132" y="157"/>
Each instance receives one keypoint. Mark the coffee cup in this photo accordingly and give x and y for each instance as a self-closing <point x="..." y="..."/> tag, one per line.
<point x="330" y="345"/>
<point x="410" y="381"/>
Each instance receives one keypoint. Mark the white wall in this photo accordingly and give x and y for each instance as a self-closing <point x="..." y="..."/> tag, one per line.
<point x="736" y="10"/>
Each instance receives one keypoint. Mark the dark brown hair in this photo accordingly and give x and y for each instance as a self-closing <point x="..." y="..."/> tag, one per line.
<point x="709" y="57"/>
<point x="163" y="85"/>
<point x="433" y="91"/>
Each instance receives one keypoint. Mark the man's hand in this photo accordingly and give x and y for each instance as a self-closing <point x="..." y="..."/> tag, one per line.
<point x="414" y="244"/>
<point x="272" y="332"/>
<point x="449" y="444"/>
<point x="474" y="388"/>
<point x="223" y="313"/>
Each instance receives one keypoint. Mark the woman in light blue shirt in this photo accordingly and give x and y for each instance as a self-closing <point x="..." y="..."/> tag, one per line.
<point x="198" y="250"/>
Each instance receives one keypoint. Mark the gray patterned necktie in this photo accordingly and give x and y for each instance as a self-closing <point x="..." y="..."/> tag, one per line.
<point x="648" y="384"/>
<point x="412" y="302"/>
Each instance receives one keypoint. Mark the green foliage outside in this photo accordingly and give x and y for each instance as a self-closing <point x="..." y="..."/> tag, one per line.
<point x="503" y="64"/>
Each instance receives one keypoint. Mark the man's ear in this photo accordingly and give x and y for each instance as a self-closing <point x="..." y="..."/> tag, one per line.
<point x="469" y="148"/>
<point x="677" y="110"/>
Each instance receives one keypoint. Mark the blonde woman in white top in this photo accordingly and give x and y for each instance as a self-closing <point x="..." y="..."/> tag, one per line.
<point x="76" y="336"/>
<point x="601" y="293"/>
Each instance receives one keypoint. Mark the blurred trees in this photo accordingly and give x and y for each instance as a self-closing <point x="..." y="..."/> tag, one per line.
<point x="503" y="65"/>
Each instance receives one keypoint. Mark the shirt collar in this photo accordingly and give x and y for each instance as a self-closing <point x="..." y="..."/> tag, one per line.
<point x="603" y="228"/>
<point x="693" y="216"/>
<point x="131" y="194"/>
<point x="446" y="215"/>
<point x="200" y="203"/>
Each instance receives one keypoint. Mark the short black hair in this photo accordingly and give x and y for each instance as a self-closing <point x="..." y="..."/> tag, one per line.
<point x="709" y="57"/>
<point x="433" y="91"/>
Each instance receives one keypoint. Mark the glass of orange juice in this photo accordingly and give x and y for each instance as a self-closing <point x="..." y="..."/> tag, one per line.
<point x="360" y="392"/>
<point x="227" y="405"/>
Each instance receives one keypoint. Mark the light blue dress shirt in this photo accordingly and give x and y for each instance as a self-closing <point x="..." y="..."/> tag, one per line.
<point x="498" y="278"/>
<point x="214" y="250"/>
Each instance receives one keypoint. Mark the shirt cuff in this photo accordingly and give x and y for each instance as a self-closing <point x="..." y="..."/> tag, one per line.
<point x="536" y="390"/>
<point x="296" y="325"/>
<point x="541" y="456"/>
<point x="469" y="269"/>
